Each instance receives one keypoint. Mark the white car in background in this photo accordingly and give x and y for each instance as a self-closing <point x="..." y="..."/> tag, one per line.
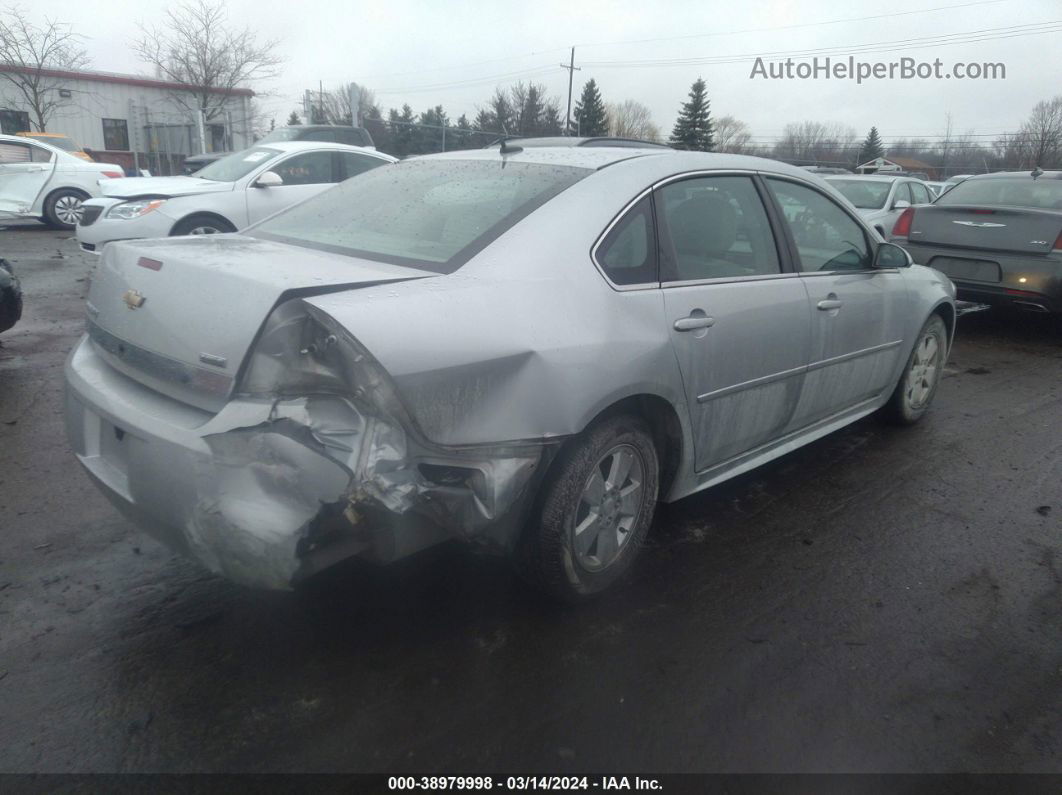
<point x="225" y="196"/>
<point x="880" y="198"/>
<point x="38" y="180"/>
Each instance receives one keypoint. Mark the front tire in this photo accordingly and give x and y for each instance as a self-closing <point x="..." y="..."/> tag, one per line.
<point x="594" y="511"/>
<point x="913" y="394"/>
<point x="201" y="225"/>
<point x="62" y="209"/>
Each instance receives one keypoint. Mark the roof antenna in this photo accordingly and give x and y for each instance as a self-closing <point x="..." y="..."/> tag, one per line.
<point x="1037" y="172"/>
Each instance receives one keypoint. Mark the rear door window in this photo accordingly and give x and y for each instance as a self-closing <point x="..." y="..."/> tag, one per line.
<point x="350" y="164"/>
<point x="714" y="228"/>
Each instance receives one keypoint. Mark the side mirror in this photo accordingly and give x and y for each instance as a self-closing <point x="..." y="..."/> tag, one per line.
<point x="269" y="179"/>
<point x="889" y="255"/>
<point x="901" y="204"/>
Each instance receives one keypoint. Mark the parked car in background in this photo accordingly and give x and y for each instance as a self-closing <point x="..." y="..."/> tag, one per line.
<point x="59" y="141"/>
<point x="37" y="180"/>
<point x="937" y="188"/>
<point x="997" y="236"/>
<point x="226" y="195"/>
<point x="881" y="198"/>
<point x="10" y="296"/>
<point x="524" y="349"/>
<point x="330" y="133"/>
<point x="193" y="163"/>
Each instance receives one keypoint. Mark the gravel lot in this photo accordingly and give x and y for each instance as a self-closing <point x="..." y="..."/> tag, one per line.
<point x="882" y="600"/>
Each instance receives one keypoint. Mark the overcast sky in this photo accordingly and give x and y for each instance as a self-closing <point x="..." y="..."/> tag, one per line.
<point x="455" y="53"/>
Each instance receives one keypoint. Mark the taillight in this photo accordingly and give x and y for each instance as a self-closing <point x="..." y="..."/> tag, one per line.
<point x="1058" y="242"/>
<point x="113" y="174"/>
<point x="902" y="228"/>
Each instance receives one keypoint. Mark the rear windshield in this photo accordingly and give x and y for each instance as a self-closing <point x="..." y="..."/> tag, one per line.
<point x="58" y="141"/>
<point x="1023" y="191"/>
<point x="429" y="214"/>
<point x="864" y="194"/>
<point x="237" y="165"/>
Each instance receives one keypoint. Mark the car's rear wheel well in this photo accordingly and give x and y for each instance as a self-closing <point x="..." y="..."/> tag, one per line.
<point x="201" y="218"/>
<point x="666" y="429"/>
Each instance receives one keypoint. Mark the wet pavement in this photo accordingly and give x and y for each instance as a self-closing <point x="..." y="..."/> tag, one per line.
<point x="882" y="600"/>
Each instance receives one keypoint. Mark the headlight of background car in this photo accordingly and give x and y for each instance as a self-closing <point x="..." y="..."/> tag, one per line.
<point x="134" y="209"/>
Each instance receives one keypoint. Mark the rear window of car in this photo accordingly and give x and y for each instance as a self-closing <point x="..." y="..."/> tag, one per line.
<point x="1023" y="191"/>
<point x="428" y="214"/>
<point x="58" y="141"/>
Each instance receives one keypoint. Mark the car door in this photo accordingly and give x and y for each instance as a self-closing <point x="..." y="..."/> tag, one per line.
<point x="25" y="171"/>
<point x="737" y="318"/>
<point x="305" y="174"/>
<point x="856" y="311"/>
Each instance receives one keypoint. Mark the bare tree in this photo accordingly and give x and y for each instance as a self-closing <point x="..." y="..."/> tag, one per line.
<point x="1040" y="137"/>
<point x="813" y="142"/>
<point x="29" y="54"/>
<point x="946" y="146"/>
<point x="732" y="135"/>
<point x="196" y="48"/>
<point x="631" y="119"/>
<point x="333" y="106"/>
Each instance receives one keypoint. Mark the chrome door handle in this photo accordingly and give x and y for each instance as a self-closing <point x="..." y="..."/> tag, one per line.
<point x="693" y="323"/>
<point x="830" y="303"/>
<point x="35" y="168"/>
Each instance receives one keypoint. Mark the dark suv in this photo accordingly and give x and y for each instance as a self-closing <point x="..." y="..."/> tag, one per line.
<point x="334" y="133"/>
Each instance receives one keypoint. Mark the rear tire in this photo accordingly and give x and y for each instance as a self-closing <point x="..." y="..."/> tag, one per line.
<point x="62" y="209"/>
<point x="594" y="511"/>
<point x="918" y="384"/>
<point x="201" y="225"/>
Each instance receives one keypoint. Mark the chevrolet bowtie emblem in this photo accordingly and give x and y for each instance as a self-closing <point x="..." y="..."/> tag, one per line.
<point x="133" y="299"/>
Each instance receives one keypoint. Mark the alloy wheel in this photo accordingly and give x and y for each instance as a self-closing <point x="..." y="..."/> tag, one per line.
<point x="608" y="509"/>
<point x="68" y="209"/>
<point x="923" y="374"/>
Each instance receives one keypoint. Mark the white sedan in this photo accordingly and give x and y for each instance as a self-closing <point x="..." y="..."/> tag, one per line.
<point x="227" y="195"/>
<point x="38" y="180"/>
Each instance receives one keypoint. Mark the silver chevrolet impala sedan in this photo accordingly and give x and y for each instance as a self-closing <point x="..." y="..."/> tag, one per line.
<point x="525" y="349"/>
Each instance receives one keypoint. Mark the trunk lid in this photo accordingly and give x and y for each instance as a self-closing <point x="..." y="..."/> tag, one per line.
<point x="179" y="315"/>
<point x="1017" y="229"/>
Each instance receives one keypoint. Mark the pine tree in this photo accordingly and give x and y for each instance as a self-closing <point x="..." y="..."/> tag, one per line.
<point x="294" y="119"/>
<point x="872" y="147"/>
<point x="693" y="128"/>
<point x="401" y="125"/>
<point x="590" y="111"/>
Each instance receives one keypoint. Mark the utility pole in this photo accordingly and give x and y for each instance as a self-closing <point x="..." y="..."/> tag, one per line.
<point x="572" y="69"/>
<point x="320" y="98"/>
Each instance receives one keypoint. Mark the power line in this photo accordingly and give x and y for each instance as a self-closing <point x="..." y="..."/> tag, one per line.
<point x="891" y="15"/>
<point x="984" y="34"/>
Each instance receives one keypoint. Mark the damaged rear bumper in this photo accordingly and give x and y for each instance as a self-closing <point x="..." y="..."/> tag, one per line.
<point x="268" y="492"/>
